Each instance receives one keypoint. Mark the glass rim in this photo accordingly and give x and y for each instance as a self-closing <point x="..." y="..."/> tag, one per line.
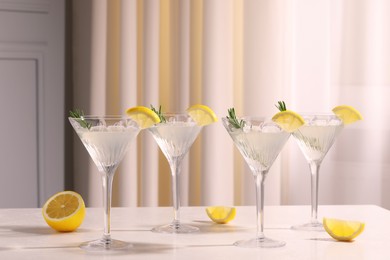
<point x="316" y="113"/>
<point x="320" y="115"/>
<point x="263" y="118"/>
<point x="175" y="114"/>
<point x="104" y="117"/>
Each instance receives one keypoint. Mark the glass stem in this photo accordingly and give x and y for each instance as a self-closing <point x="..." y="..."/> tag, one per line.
<point x="107" y="178"/>
<point x="259" y="182"/>
<point x="175" y="171"/>
<point x="314" y="168"/>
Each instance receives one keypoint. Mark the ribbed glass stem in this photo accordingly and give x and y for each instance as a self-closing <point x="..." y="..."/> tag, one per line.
<point x="107" y="178"/>
<point x="314" y="169"/>
<point x="259" y="183"/>
<point x="175" y="171"/>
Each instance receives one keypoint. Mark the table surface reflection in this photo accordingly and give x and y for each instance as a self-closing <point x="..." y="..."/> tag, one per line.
<point x="25" y="235"/>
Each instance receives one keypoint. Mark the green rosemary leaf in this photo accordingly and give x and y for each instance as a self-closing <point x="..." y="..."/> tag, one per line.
<point x="159" y="113"/>
<point x="233" y="121"/>
<point x="281" y="106"/>
<point x="79" y="116"/>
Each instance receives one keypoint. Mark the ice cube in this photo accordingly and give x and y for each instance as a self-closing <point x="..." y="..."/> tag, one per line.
<point x="120" y="123"/>
<point x="102" y="122"/>
<point x="247" y="128"/>
<point x="172" y="119"/>
<point x="116" y="128"/>
<point x="98" y="128"/>
<point x="334" y="121"/>
<point x="321" y="122"/>
<point x="270" y="128"/>
<point x="316" y="121"/>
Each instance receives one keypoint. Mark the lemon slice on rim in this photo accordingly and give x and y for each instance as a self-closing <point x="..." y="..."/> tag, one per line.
<point x="347" y="114"/>
<point x="221" y="214"/>
<point x="343" y="230"/>
<point x="288" y="120"/>
<point x="144" y="116"/>
<point x="202" y="115"/>
<point x="64" y="211"/>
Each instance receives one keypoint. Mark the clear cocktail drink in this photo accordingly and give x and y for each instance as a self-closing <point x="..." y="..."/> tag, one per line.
<point x="175" y="137"/>
<point x="259" y="142"/>
<point x="107" y="139"/>
<point x="314" y="139"/>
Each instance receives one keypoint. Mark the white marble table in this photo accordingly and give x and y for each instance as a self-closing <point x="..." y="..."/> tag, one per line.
<point x="25" y="235"/>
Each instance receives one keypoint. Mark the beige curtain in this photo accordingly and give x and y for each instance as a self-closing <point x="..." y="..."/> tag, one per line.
<point x="246" y="54"/>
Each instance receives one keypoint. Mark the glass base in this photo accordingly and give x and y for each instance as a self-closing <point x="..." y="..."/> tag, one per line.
<point x="260" y="242"/>
<point x="313" y="226"/>
<point x="105" y="245"/>
<point x="175" y="228"/>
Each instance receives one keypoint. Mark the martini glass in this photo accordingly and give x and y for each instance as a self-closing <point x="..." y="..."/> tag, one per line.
<point x="107" y="139"/>
<point x="259" y="142"/>
<point x="315" y="138"/>
<point x="175" y="136"/>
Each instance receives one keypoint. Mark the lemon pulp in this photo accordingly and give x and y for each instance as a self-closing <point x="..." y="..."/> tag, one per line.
<point x="144" y="116"/>
<point x="347" y="114"/>
<point x="343" y="230"/>
<point x="202" y="114"/>
<point x="64" y="211"/>
<point x="288" y="120"/>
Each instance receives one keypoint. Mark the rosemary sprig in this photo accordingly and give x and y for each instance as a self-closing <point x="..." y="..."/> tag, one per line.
<point x="232" y="118"/>
<point x="281" y="106"/>
<point x="159" y="113"/>
<point x="79" y="116"/>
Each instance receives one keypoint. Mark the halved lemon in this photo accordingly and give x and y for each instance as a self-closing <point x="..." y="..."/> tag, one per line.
<point x="288" y="120"/>
<point x="144" y="116"/>
<point x="347" y="114"/>
<point x="221" y="214"/>
<point x="202" y="115"/>
<point x="343" y="230"/>
<point x="64" y="211"/>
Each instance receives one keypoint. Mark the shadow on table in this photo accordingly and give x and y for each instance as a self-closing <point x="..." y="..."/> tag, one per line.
<point x="204" y="227"/>
<point x="135" y="249"/>
<point x="212" y="245"/>
<point x="26" y="230"/>
<point x="4" y="230"/>
<point x="327" y="240"/>
<point x="211" y="227"/>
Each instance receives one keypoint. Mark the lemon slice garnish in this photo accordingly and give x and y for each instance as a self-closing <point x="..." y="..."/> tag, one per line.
<point x="64" y="211"/>
<point x="347" y="114"/>
<point x="288" y="120"/>
<point x="202" y="115"/>
<point x="221" y="214"/>
<point x="144" y="116"/>
<point x="343" y="230"/>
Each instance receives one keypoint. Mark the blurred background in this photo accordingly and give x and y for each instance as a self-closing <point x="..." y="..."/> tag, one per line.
<point x="104" y="56"/>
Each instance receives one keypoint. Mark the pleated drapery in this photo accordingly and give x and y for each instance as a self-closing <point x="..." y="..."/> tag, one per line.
<point x="246" y="54"/>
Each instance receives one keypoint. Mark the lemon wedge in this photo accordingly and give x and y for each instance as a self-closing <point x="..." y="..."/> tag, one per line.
<point x="202" y="115"/>
<point x="221" y="214"/>
<point x="64" y="211"/>
<point x="347" y="114"/>
<point x="343" y="230"/>
<point x="288" y="120"/>
<point x="144" y="116"/>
